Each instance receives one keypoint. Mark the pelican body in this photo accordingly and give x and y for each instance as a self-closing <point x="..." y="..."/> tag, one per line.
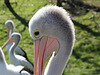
<point x="6" y="69"/>
<point x="10" y="29"/>
<point x="53" y="33"/>
<point x="17" y="59"/>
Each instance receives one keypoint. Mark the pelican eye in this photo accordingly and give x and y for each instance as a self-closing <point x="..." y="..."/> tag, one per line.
<point x="37" y="34"/>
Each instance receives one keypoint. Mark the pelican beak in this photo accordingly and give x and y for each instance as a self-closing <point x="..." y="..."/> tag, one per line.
<point x="43" y="48"/>
<point x="8" y="30"/>
<point x="10" y="40"/>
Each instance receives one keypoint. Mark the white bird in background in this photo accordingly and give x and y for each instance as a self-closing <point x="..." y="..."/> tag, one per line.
<point x="10" y="29"/>
<point x="17" y="59"/>
<point x="53" y="32"/>
<point x="6" y="69"/>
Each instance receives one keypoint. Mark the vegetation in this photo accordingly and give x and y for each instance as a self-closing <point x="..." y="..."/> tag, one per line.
<point x="85" y="59"/>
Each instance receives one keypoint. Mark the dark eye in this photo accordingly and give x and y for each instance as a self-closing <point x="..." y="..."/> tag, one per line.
<point x="36" y="34"/>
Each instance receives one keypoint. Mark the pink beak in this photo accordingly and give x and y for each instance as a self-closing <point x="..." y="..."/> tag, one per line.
<point x="10" y="40"/>
<point x="8" y="30"/>
<point x="42" y="50"/>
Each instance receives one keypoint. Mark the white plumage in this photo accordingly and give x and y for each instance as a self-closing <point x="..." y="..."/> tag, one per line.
<point x="14" y="58"/>
<point x="10" y="29"/>
<point x="6" y="69"/>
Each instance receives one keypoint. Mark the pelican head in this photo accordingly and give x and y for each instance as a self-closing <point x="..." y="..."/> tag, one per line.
<point x="10" y="27"/>
<point x="52" y="31"/>
<point x="15" y="37"/>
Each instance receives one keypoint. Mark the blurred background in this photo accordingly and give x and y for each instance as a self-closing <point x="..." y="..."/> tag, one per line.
<point x="85" y="59"/>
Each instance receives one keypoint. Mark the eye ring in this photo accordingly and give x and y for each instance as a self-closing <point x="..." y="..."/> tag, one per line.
<point x="36" y="33"/>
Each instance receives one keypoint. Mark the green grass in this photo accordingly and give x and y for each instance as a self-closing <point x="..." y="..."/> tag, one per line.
<point x="85" y="59"/>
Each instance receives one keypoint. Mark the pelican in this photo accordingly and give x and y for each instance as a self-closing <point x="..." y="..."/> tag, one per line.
<point x="6" y="69"/>
<point x="10" y="29"/>
<point x="53" y="33"/>
<point x="17" y="59"/>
